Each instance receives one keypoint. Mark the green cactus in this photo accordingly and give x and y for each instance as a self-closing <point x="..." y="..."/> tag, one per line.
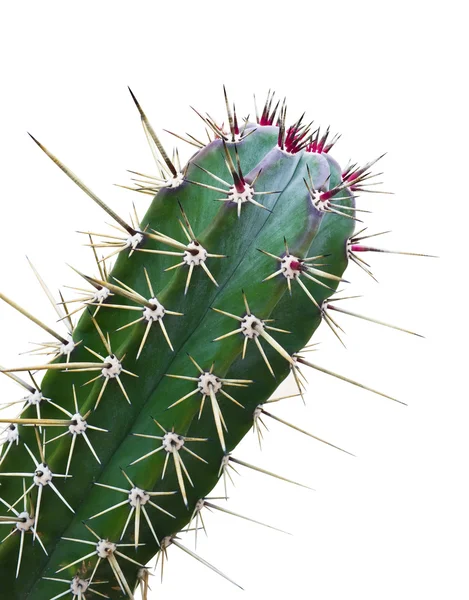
<point x="211" y="299"/>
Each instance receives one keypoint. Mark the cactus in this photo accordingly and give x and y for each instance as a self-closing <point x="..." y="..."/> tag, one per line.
<point x="210" y="304"/>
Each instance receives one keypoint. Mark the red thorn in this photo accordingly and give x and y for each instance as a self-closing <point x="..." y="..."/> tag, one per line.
<point x="295" y="138"/>
<point x="295" y="265"/>
<point x="238" y="183"/>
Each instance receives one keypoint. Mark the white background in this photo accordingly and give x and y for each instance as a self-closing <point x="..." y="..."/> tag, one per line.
<point x="393" y="522"/>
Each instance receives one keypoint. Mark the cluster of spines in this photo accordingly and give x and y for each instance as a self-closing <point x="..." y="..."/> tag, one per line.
<point x="292" y="140"/>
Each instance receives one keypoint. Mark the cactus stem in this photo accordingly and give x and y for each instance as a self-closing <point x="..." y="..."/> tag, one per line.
<point x="311" y="220"/>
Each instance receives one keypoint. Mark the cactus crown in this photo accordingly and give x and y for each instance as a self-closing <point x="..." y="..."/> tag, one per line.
<point x="210" y="303"/>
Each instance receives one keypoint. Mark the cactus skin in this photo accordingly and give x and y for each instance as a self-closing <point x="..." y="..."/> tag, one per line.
<point x="309" y="232"/>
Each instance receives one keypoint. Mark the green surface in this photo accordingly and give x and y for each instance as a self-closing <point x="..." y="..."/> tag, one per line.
<point x="290" y="215"/>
